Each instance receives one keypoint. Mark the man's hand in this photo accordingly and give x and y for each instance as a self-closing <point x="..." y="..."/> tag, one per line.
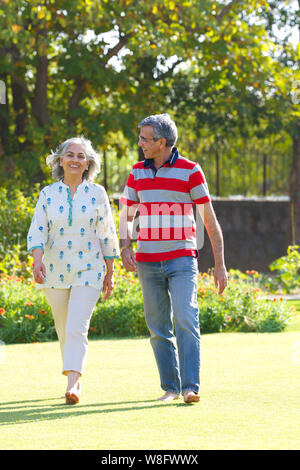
<point x="125" y="229"/>
<point x="221" y="278"/>
<point x="128" y="259"/>
<point x="214" y="231"/>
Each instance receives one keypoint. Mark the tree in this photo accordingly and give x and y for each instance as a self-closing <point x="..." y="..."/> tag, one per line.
<point x="57" y="66"/>
<point x="98" y="67"/>
<point x="285" y="18"/>
<point x="249" y="86"/>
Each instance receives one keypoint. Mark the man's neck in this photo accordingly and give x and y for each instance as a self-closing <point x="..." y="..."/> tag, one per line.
<point x="163" y="158"/>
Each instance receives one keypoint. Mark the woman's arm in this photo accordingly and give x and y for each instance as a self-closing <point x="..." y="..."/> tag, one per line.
<point x="108" y="283"/>
<point x="37" y="238"/>
<point x="39" y="270"/>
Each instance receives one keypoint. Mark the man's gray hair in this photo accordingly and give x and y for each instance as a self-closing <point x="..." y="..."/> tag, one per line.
<point x="53" y="160"/>
<point x="163" y="126"/>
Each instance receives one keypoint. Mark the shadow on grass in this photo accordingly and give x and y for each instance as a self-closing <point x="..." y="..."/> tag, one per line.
<point x="20" y="412"/>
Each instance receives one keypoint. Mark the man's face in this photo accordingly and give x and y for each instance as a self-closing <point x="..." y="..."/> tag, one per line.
<point x="150" y="147"/>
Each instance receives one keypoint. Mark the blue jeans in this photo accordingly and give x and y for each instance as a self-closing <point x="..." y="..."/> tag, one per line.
<point x="170" y="299"/>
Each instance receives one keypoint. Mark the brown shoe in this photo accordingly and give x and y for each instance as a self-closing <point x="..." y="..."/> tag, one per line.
<point x="72" y="398"/>
<point x="190" y="397"/>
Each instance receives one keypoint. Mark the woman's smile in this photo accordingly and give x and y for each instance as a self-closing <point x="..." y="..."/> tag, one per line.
<point x="74" y="160"/>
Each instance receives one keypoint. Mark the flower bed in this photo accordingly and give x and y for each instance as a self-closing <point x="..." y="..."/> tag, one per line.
<point x="26" y="317"/>
<point x="242" y="307"/>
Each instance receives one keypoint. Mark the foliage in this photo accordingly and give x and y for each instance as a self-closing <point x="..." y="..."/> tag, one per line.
<point x="284" y="277"/>
<point x="288" y="270"/>
<point x="94" y="69"/>
<point x="98" y="67"/>
<point x="16" y="211"/>
<point x="123" y="313"/>
<point x="235" y="165"/>
<point x="242" y="307"/>
<point x="25" y="315"/>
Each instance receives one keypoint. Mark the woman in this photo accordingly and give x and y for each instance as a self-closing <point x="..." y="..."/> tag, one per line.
<point x="73" y="241"/>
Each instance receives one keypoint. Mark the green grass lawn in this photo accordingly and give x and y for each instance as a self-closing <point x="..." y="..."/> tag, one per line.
<point x="249" y="397"/>
<point x="295" y="323"/>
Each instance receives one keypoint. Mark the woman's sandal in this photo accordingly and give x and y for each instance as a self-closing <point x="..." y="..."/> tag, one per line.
<point x="71" y="398"/>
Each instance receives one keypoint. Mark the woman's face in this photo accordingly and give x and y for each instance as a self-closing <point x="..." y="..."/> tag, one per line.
<point x="74" y="161"/>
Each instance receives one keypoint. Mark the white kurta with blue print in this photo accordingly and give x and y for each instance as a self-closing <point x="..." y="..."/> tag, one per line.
<point x="76" y="235"/>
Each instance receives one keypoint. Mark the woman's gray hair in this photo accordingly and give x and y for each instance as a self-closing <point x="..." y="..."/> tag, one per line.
<point x="53" y="160"/>
<point x="163" y="127"/>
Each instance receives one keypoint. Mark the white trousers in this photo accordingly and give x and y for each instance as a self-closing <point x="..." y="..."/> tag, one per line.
<point x="72" y="310"/>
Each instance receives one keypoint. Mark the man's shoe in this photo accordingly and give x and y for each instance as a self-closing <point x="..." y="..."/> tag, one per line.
<point x="190" y="397"/>
<point x="168" y="396"/>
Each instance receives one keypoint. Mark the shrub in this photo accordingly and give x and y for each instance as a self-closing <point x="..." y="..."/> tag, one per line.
<point x="285" y="277"/>
<point x="26" y="317"/>
<point x="242" y="306"/>
<point x="25" y="314"/>
<point x="287" y="270"/>
<point x="16" y="211"/>
<point x="123" y="313"/>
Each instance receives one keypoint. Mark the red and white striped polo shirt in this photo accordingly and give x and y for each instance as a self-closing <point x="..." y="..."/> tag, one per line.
<point x="165" y="198"/>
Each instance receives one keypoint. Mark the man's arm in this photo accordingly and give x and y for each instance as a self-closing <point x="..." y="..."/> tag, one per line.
<point x="125" y="231"/>
<point x="216" y="239"/>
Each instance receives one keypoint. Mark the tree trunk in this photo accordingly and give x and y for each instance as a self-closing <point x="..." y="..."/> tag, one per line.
<point x="39" y="102"/>
<point x="4" y="119"/>
<point x="294" y="184"/>
<point x="74" y="101"/>
<point x="7" y="144"/>
<point x="20" y="107"/>
<point x="217" y="173"/>
<point x="264" y="174"/>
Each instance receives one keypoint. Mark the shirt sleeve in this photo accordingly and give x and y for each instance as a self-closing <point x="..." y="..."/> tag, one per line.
<point x="38" y="232"/>
<point x="130" y="196"/>
<point x="106" y="230"/>
<point x="198" y="186"/>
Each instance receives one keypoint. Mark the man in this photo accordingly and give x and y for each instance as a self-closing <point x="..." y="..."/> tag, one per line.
<point x="164" y="187"/>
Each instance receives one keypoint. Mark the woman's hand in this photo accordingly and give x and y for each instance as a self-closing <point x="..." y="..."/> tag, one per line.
<point x="108" y="284"/>
<point x="39" y="272"/>
<point x="39" y="269"/>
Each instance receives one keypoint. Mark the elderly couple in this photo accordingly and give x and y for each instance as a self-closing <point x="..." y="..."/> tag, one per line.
<point x="73" y="241"/>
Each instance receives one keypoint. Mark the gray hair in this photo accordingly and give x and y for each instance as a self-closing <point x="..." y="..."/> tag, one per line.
<point x="163" y="127"/>
<point x="53" y="160"/>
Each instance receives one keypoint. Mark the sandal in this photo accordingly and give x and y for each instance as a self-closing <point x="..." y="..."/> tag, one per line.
<point x="71" y="398"/>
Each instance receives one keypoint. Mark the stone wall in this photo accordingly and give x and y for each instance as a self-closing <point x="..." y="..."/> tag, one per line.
<point x="255" y="231"/>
